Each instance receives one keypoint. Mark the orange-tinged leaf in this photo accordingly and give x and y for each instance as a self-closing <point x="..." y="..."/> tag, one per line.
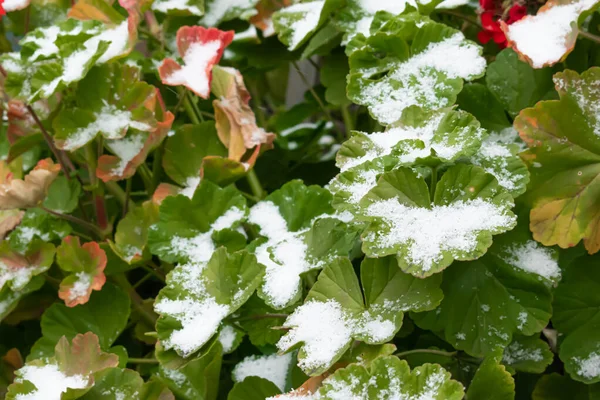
<point x="83" y="356"/>
<point x="27" y="193"/>
<point x="9" y="220"/>
<point x="98" y="10"/>
<point x="16" y="269"/>
<point x="265" y="10"/>
<point x="86" y="263"/>
<point x="165" y="190"/>
<point x="201" y="49"/>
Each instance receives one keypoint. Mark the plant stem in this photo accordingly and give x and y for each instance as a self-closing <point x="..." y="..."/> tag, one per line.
<point x="97" y="189"/>
<point x="260" y="316"/>
<point x="142" y="361"/>
<point x="157" y="165"/>
<point x="195" y="106"/>
<point x="136" y="301"/>
<point x="466" y="18"/>
<point x="75" y="220"/>
<point x="589" y="36"/>
<point x="250" y="197"/>
<point x="187" y="104"/>
<point x="433" y="183"/>
<point x="262" y="119"/>
<point x="146" y="177"/>
<point x="428" y="351"/>
<point x="348" y="121"/>
<point x="119" y="194"/>
<point x="255" y="185"/>
<point x="127" y="192"/>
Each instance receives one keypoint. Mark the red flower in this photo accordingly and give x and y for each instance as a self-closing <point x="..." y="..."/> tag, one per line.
<point x="516" y="13"/>
<point x="490" y="21"/>
<point x="2" y="12"/>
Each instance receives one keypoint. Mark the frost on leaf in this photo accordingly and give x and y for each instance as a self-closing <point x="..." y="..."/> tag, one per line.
<point x="335" y="311"/>
<point x="71" y="370"/>
<point x="131" y="235"/>
<point x="548" y="37"/>
<point x="37" y="225"/>
<point x="200" y="48"/>
<point x="85" y="265"/>
<point x="30" y="191"/>
<point x="179" y="7"/>
<point x="218" y="11"/>
<point x="16" y="270"/>
<point x="528" y="354"/>
<point x="351" y="185"/>
<point x="274" y="368"/>
<point x="298" y="234"/>
<point x="402" y="67"/>
<point x="120" y="102"/>
<point x="427" y="236"/>
<point x="564" y="162"/>
<point x="295" y="24"/>
<point x="198" y="296"/>
<point x="420" y="136"/>
<point x="235" y="120"/>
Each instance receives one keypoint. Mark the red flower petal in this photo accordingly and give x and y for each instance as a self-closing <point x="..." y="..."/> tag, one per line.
<point x="484" y="37"/>
<point x="200" y="48"/>
<point x="487" y="4"/>
<point x="499" y="37"/>
<point x="516" y="13"/>
<point x="490" y="22"/>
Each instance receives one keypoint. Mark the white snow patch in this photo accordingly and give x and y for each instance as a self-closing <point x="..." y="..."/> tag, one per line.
<point x="303" y="26"/>
<point x="534" y="258"/>
<point x="227" y="337"/>
<point x="81" y="286"/>
<point x="216" y="10"/>
<point x="589" y="367"/>
<point x="272" y="367"/>
<point x="49" y="382"/>
<point x="517" y="353"/>
<point x="165" y="6"/>
<point x="126" y="149"/>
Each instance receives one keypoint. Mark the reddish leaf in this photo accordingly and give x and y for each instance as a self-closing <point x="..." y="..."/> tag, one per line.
<point x="83" y="356"/>
<point x="201" y="49"/>
<point x="27" y="193"/>
<point x="17" y="269"/>
<point x="9" y="220"/>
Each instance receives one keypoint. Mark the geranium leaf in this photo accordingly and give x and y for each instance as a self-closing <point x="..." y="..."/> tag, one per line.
<point x="469" y="207"/>
<point x="253" y="388"/>
<point x="230" y="337"/>
<point x="28" y="192"/>
<point x="389" y="376"/>
<point x="478" y="100"/>
<point x="132" y="233"/>
<point x="260" y="330"/>
<point x="388" y="75"/>
<point x="86" y="265"/>
<point x="351" y="185"/>
<point x="63" y="195"/>
<point x="37" y="224"/>
<point x="419" y="136"/>
<point x="105" y="315"/>
<point x="120" y="102"/>
<point x="218" y="11"/>
<point x="274" y="368"/>
<point x="516" y="84"/>
<point x="16" y="270"/>
<point x="552" y="41"/>
<point x="200" y="49"/>
<point x="70" y="371"/>
<point x="335" y="313"/>
<point x="298" y="236"/>
<point x="234" y="119"/>
<point x="564" y="148"/>
<point x="9" y="299"/>
<point x="187" y="7"/>
<point x="296" y="23"/>
<point x="97" y="10"/>
<point x="9" y="220"/>
<point x="199" y="296"/>
<point x="333" y="72"/>
<point x="559" y="387"/>
<point x="492" y="381"/>
<point x="223" y="171"/>
<point x="528" y="354"/>
<point x="119" y="383"/>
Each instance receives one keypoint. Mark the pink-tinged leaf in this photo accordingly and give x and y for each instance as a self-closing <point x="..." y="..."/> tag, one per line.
<point x="16" y="270"/>
<point x="263" y="18"/>
<point x="9" y="220"/>
<point x="200" y="48"/>
<point x="86" y="264"/>
<point x="83" y="356"/>
<point x="165" y="190"/>
<point x="131" y="151"/>
<point x="28" y="192"/>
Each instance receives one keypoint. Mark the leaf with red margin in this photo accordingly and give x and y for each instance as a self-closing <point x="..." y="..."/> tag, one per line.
<point x="28" y="192"/>
<point x="74" y="364"/>
<point x="20" y="120"/>
<point x="263" y="18"/>
<point x="9" y="220"/>
<point x="235" y="120"/>
<point x="201" y="49"/>
<point x="16" y="270"/>
<point x="98" y="10"/>
<point x="86" y="264"/>
<point x="554" y="40"/>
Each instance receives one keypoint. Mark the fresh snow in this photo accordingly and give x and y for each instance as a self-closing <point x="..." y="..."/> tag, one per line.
<point x="81" y="286"/>
<point x="301" y="26"/>
<point x="588" y="367"/>
<point x="585" y="95"/>
<point x="428" y="233"/>
<point x="494" y="158"/>
<point x="165" y="6"/>
<point x="126" y="149"/>
<point x="193" y="73"/>
<point x="272" y="367"/>
<point x="50" y="383"/>
<point x="517" y="353"/>
<point x="543" y="38"/>
<point x="415" y="81"/>
<point x="19" y="276"/>
<point x="534" y="258"/>
<point x="217" y="9"/>
<point x="14" y="5"/>
<point x="191" y="184"/>
<point x="227" y="337"/>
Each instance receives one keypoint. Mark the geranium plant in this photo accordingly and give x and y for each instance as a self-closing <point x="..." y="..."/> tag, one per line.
<point x="312" y="199"/>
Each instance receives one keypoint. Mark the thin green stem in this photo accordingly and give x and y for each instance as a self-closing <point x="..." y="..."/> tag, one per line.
<point x="249" y="196"/>
<point x="132" y="360"/>
<point x="433" y="182"/>
<point x="127" y="193"/>
<point x="84" y="224"/>
<point x="136" y="301"/>
<point x="589" y="36"/>
<point x="187" y="104"/>
<point x="119" y="194"/>
<point x="348" y="120"/>
<point x="255" y="185"/>
<point x="157" y="165"/>
<point x="143" y="279"/>
<point x="428" y="351"/>
<point x="146" y="175"/>
<point x="260" y="114"/>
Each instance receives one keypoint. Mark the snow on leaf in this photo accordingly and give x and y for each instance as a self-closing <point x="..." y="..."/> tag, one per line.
<point x="299" y="234"/>
<point x="37" y="225"/>
<point x="273" y="367"/>
<point x="131" y="235"/>
<point x="9" y="299"/>
<point x="179" y="7"/>
<point x="468" y="208"/>
<point x="563" y="137"/>
<point x="263" y="19"/>
<point x="121" y="102"/>
<point x="71" y="369"/>
<point x="350" y="186"/>
<point x="86" y="264"/>
<point x="218" y="11"/>
<point x="433" y="136"/>
<point x="235" y="120"/>
<point x="16" y="270"/>
<point x="528" y="354"/>
<point x="335" y="311"/>
<point x="295" y="24"/>
<point x="201" y="49"/>
<point x="28" y="192"/>
<point x="192" y="305"/>
<point x="388" y="75"/>
<point x="549" y="36"/>
<point x="9" y="220"/>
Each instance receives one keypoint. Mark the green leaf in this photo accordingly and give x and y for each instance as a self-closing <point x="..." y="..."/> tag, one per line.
<point x="323" y="42"/>
<point x="558" y="387"/>
<point x="188" y="7"/>
<point x="492" y="381"/>
<point x="253" y="388"/>
<point x="105" y="315"/>
<point x="478" y="100"/>
<point x="37" y="224"/>
<point x="351" y="185"/>
<point x="390" y="377"/>
<point x="576" y="317"/>
<point x="63" y="195"/>
<point x="528" y="354"/>
<point x="9" y="299"/>
<point x="335" y="312"/>
<point x="299" y="234"/>
<point x="196" y="380"/>
<point x="120" y="101"/>
<point x="468" y="208"/>
<point x="274" y="367"/>
<point x="333" y="76"/>
<point x="216" y="13"/>
<point x="418" y="137"/>
<point x="260" y="330"/>
<point x="120" y="383"/>
<point x="516" y="84"/>
<point x="16" y="269"/>
<point x="564" y="160"/>
<point x="190" y="229"/>
<point x="413" y="61"/>
<point x="199" y="296"/>
<point x="132" y="233"/>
